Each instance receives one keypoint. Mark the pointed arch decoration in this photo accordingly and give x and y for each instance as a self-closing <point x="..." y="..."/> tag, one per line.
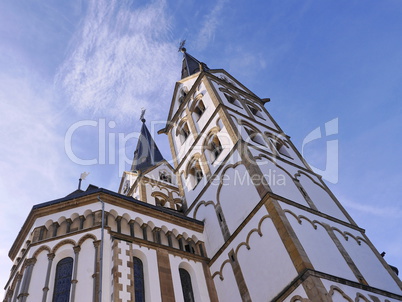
<point x="245" y="243"/>
<point x="361" y="296"/>
<point x="219" y="273"/>
<point x="199" y="204"/>
<point x="336" y="288"/>
<point x="299" y="299"/>
<point x="212" y="144"/>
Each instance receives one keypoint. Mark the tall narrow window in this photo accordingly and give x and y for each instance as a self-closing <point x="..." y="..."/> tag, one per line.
<point x="195" y="173"/>
<point x="183" y="94"/>
<point x="184" y="132"/>
<point x="139" y="288"/>
<point x="62" y="282"/>
<point x="215" y="147"/>
<point x="186" y="285"/>
<point x="198" y="174"/>
<point x="199" y="109"/>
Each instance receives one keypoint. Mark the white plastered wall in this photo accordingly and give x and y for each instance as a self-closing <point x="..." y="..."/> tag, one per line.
<point x="355" y="245"/>
<point x="280" y="180"/>
<point x="262" y="257"/>
<point x="238" y="196"/>
<point x="266" y="262"/>
<point x="228" y="282"/>
<point x="85" y="271"/>
<point x="38" y="277"/>
<point x="322" y="200"/>
<point x="367" y="263"/>
<point x="317" y="240"/>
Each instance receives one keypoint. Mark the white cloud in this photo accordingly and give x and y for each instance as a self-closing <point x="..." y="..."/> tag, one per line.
<point x="122" y="61"/>
<point x="209" y="26"/>
<point x="388" y="212"/>
<point x="33" y="168"/>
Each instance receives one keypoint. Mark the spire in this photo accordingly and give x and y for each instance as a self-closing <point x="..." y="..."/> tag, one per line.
<point x="147" y="153"/>
<point x="190" y="64"/>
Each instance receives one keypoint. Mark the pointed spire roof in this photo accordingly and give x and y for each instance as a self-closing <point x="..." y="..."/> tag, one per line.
<point x="191" y="65"/>
<point x="147" y="153"/>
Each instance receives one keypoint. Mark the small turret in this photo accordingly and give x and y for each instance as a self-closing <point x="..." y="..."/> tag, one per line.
<point x="147" y="153"/>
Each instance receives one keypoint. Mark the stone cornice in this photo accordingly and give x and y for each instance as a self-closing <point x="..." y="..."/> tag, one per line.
<point x="107" y="196"/>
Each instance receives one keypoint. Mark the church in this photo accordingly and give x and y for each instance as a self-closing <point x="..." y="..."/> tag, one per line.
<point x="237" y="215"/>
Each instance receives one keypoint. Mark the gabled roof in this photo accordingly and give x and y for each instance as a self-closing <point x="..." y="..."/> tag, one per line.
<point x="147" y="153"/>
<point x="191" y="65"/>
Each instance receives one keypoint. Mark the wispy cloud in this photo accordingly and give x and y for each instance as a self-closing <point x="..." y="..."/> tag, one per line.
<point x="122" y="60"/>
<point x="33" y="166"/>
<point x="389" y="212"/>
<point x="209" y="26"/>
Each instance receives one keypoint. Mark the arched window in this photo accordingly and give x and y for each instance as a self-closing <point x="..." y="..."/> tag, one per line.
<point x="282" y="149"/>
<point x="139" y="288"/>
<point x="214" y="146"/>
<point x="255" y="136"/>
<point x="199" y="109"/>
<point x="62" y="281"/>
<point x="183" y="94"/>
<point x="278" y="145"/>
<point x="186" y="285"/>
<point x="184" y="132"/>
<point x="196" y="173"/>
<point x="232" y="100"/>
<point x="255" y="111"/>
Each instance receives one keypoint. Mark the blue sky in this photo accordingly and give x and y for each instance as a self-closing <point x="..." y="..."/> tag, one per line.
<point x="73" y="63"/>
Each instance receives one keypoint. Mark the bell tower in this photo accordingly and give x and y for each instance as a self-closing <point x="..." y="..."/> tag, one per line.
<point x="268" y="218"/>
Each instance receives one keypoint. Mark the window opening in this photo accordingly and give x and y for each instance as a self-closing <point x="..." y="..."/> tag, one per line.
<point x="232" y="100"/>
<point x="139" y="288"/>
<point x="255" y="137"/>
<point x="186" y="285"/>
<point x="199" y="109"/>
<point x="196" y="173"/>
<point x="62" y="282"/>
<point x="165" y="177"/>
<point x="184" y="132"/>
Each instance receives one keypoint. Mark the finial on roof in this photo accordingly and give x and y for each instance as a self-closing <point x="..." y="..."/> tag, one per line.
<point x="142" y="114"/>
<point x="82" y="177"/>
<point x="181" y="46"/>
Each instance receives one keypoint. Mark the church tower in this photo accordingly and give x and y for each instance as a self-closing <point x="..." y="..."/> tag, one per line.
<point x="272" y="228"/>
<point x="238" y="216"/>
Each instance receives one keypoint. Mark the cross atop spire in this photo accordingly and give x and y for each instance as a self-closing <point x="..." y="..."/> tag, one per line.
<point x="181" y="46"/>
<point x="142" y="118"/>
